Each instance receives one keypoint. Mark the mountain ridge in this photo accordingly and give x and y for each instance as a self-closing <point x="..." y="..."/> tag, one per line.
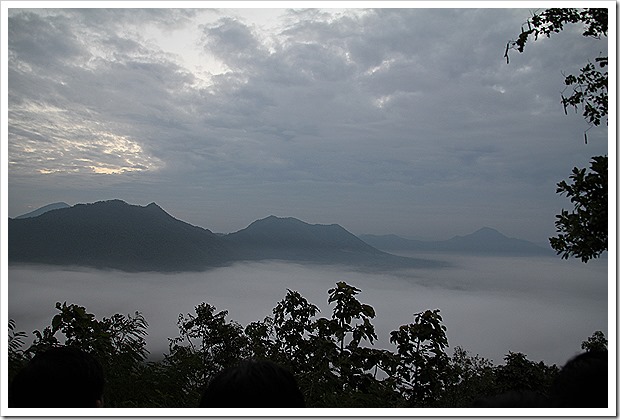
<point x="485" y="240"/>
<point x="44" y="209"/>
<point x="115" y="235"/>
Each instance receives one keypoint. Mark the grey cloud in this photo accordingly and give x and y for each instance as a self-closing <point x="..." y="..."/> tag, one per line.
<point x="234" y="42"/>
<point x="419" y="98"/>
<point x="46" y="43"/>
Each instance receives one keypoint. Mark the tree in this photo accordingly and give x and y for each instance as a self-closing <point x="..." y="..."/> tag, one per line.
<point x="206" y="344"/>
<point x="341" y="373"/>
<point x="259" y="335"/>
<point x="521" y="374"/>
<point x="596" y="342"/>
<point x="117" y="342"/>
<point x="348" y="308"/>
<point x="583" y="232"/>
<point x="353" y="362"/>
<point x="471" y="377"/>
<point x="326" y="355"/>
<point x="15" y="342"/>
<point x="293" y="324"/>
<point x="590" y="85"/>
<point x="423" y="363"/>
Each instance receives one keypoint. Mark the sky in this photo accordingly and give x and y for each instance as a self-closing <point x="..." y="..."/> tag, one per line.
<point x="403" y="120"/>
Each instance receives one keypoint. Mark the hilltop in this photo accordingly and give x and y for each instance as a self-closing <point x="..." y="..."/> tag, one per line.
<point x="44" y="209"/>
<point x="116" y="235"/>
<point x="483" y="241"/>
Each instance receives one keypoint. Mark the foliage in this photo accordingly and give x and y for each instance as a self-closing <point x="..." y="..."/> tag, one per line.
<point x="470" y="378"/>
<point x="589" y="91"/>
<point x="332" y="367"/>
<point x="352" y="363"/>
<point x="206" y="344"/>
<point x="596" y="342"/>
<point x="582" y="233"/>
<point x="15" y="342"/>
<point x="117" y="342"/>
<point x="292" y="326"/>
<point x="590" y="86"/>
<point x="348" y="308"/>
<point x="423" y="362"/>
<point x="327" y="356"/>
<point x="521" y="374"/>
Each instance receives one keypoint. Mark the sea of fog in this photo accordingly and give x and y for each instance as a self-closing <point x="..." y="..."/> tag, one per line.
<point x="541" y="306"/>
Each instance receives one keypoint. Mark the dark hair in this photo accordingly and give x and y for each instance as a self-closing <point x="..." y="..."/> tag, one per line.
<point x="582" y="382"/>
<point x="253" y="383"/>
<point x="58" y="377"/>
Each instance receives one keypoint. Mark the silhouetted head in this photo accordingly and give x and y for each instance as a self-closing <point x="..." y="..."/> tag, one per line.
<point x="582" y="382"/>
<point x="253" y="383"/>
<point x="58" y="377"/>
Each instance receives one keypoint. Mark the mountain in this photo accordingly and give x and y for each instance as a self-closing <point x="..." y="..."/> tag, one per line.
<point x="44" y="209"/>
<point x="114" y="234"/>
<point x="274" y="235"/>
<point x="294" y="240"/>
<point x="483" y="241"/>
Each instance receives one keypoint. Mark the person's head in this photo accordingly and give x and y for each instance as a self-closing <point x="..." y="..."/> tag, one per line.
<point x="253" y="383"/>
<point x="58" y="377"/>
<point x="582" y="382"/>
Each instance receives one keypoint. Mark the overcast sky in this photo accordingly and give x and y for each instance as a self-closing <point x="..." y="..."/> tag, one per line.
<point x="405" y="121"/>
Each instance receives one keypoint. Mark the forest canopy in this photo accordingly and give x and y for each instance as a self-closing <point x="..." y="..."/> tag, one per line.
<point x="333" y="358"/>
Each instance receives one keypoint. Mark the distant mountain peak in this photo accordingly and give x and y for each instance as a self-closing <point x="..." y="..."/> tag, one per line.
<point x="275" y="220"/>
<point x="485" y="232"/>
<point x="485" y="240"/>
<point x="154" y="206"/>
<point x="278" y="218"/>
<point x="102" y="204"/>
<point x="44" y="209"/>
<point x="118" y="235"/>
<point x="487" y="229"/>
<point x="115" y="234"/>
<point x="114" y="201"/>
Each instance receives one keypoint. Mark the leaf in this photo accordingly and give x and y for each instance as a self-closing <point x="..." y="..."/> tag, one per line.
<point x="56" y="321"/>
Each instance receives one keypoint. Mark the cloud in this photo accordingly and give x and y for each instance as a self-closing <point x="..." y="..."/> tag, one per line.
<point x="553" y="305"/>
<point x="317" y="103"/>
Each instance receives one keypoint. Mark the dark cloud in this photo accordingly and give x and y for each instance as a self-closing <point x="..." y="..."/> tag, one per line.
<point x="315" y="107"/>
<point x="46" y="43"/>
<point x="233" y="42"/>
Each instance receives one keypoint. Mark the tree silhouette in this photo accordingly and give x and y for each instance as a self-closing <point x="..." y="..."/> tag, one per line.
<point x="582" y="233"/>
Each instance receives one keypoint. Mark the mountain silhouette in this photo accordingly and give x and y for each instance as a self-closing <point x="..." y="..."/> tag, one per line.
<point x="287" y="238"/>
<point x="483" y="241"/>
<point x="282" y="234"/>
<point x="116" y="235"/>
<point x="44" y="209"/>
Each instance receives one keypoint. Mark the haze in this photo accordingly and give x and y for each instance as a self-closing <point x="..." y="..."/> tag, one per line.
<point x="541" y="306"/>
